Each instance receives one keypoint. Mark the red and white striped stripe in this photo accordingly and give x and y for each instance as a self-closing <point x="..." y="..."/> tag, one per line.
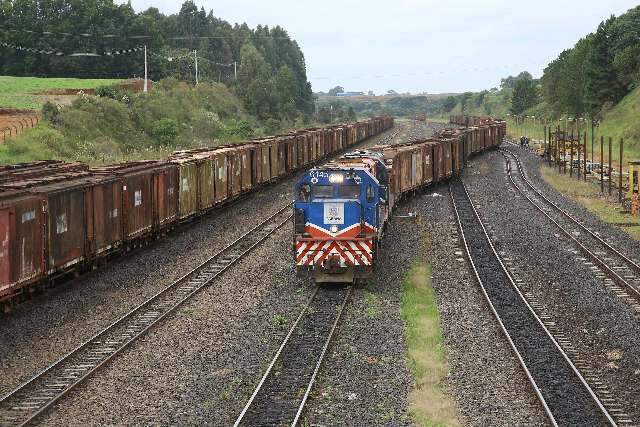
<point x="356" y="252"/>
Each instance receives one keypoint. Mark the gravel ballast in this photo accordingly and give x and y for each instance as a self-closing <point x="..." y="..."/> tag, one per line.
<point x="602" y="330"/>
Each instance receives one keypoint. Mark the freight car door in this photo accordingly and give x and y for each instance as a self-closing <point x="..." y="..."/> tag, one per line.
<point x="5" y="246"/>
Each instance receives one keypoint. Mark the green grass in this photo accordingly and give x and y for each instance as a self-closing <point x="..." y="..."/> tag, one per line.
<point x="429" y="405"/>
<point x="18" y="92"/>
<point x="620" y="122"/>
<point x="589" y="196"/>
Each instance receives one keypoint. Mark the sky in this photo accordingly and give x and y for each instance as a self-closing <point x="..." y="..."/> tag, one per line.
<point x="418" y="46"/>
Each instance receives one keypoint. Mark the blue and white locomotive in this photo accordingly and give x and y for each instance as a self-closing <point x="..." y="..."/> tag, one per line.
<point x="340" y="210"/>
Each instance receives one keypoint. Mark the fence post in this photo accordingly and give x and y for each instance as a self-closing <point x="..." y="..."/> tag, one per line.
<point x="545" y="141"/>
<point x="610" y="171"/>
<point x="601" y="164"/>
<point x="585" y="157"/>
<point x="571" y="156"/>
<point x="620" y="171"/>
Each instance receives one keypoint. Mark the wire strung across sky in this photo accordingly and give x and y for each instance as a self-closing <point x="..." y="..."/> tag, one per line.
<point x="132" y="37"/>
<point x="57" y="52"/>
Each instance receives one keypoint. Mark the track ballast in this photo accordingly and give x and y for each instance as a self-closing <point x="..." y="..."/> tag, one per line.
<point x="622" y="270"/>
<point x="30" y="400"/>
<point x="565" y="395"/>
<point x="284" y="388"/>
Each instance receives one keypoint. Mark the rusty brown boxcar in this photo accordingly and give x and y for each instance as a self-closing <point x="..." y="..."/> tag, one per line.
<point x="234" y="171"/>
<point x="246" y="154"/>
<point x="22" y="219"/>
<point x="103" y="210"/>
<point x="65" y="229"/>
<point x="149" y="196"/>
<point x="221" y="174"/>
<point x="188" y="178"/>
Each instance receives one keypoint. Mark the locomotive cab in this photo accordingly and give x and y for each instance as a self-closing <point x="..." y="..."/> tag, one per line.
<point x="338" y="209"/>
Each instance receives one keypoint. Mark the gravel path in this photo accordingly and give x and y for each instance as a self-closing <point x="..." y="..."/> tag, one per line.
<point x="601" y="328"/>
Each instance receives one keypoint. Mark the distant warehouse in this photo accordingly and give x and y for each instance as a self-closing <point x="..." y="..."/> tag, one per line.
<point x="343" y="94"/>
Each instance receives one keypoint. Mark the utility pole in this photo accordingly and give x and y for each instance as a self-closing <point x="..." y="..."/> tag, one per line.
<point x="145" y="69"/>
<point x="195" y="56"/>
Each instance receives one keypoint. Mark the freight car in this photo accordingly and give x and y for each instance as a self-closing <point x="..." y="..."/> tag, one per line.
<point x="342" y="207"/>
<point x="60" y="218"/>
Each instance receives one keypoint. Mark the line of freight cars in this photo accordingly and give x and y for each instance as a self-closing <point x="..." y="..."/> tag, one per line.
<point x="341" y="207"/>
<point x="58" y="218"/>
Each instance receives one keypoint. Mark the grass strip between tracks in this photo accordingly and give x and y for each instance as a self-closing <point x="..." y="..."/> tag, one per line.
<point x="429" y="403"/>
<point x="588" y="195"/>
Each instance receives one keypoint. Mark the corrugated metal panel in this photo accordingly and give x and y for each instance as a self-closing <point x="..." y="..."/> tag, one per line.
<point x="104" y="208"/>
<point x="165" y="196"/>
<point x="221" y="177"/>
<point x="246" y="165"/>
<point x="206" y="183"/>
<point x="138" y="206"/>
<point x="6" y="239"/>
<point x="188" y="189"/>
<point x="66" y="228"/>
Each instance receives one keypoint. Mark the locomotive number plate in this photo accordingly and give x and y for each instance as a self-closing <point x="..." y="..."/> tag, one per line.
<point x="334" y="213"/>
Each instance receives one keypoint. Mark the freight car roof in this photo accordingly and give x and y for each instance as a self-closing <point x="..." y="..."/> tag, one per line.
<point x="55" y="183"/>
<point x="130" y="167"/>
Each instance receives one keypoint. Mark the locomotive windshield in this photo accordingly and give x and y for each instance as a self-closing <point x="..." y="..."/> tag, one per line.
<point x="322" y="191"/>
<point x="349" y="192"/>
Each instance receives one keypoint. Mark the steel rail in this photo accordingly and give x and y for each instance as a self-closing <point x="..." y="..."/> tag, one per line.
<point x="31" y="399"/>
<point x="630" y="264"/>
<point x="281" y="353"/>
<point x="503" y="328"/>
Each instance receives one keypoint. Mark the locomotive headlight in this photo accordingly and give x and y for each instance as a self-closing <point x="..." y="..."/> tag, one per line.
<point x="334" y="228"/>
<point x="336" y="178"/>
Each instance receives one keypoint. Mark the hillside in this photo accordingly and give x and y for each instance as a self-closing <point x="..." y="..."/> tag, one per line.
<point x="122" y="125"/>
<point x="622" y="122"/>
<point x="32" y="92"/>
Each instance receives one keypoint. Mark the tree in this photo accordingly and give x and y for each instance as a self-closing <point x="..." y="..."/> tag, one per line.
<point x="285" y="91"/>
<point x="351" y="115"/>
<point x="336" y="90"/>
<point x="449" y="103"/>
<point x="324" y="115"/>
<point x="255" y="85"/>
<point x="525" y="95"/>
<point x="510" y="82"/>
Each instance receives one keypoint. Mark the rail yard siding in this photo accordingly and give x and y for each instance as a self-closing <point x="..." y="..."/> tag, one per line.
<point x="76" y="215"/>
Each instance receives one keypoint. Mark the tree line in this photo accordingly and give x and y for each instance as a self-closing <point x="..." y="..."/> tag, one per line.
<point x="598" y="71"/>
<point x="270" y="66"/>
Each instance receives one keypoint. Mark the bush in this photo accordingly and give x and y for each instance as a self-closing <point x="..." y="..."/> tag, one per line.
<point x="272" y="126"/>
<point x="51" y="113"/>
<point x="165" y="131"/>
<point x="112" y="91"/>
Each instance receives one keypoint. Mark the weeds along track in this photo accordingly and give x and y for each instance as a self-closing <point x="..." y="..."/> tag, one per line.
<point x="30" y="400"/>
<point x="623" y="273"/>
<point x="563" y="392"/>
<point x="282" y="392"/>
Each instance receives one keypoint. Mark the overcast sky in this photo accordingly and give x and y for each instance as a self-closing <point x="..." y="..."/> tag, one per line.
<point x="418" y="46"/>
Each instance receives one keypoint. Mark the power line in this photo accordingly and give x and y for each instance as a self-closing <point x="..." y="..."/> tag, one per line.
<point x="133" y="37"/>
<point x="57" y="52"/>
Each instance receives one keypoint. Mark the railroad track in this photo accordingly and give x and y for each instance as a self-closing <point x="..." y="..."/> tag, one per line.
<point x="563" y="392"/>
<point x="282" y="392"/>
<point x="30" y="400"/>
<point x="622" y="270"/>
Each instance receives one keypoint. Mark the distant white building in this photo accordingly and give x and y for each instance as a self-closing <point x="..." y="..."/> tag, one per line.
<point x="346" y="94"/>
